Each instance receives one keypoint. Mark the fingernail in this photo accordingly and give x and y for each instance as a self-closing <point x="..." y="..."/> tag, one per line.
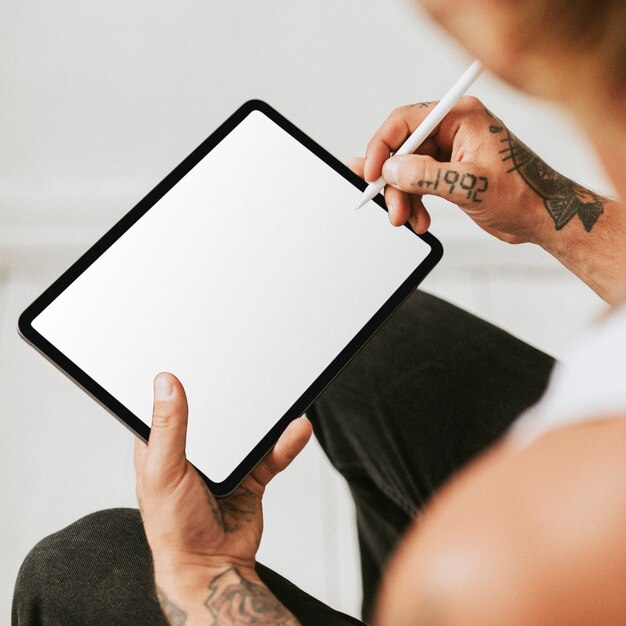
<point x="162" y="387"/>
<point x="365" y="168"/>
<point x="390" y="171"/>
<point x="391" y="207"/>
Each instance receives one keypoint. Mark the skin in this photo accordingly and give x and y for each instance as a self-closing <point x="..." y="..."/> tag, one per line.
<point x="473" y="147"/>
<point x="532" y="536"/>
<point x="521" y="536"/>
<point x="204" y="549"/>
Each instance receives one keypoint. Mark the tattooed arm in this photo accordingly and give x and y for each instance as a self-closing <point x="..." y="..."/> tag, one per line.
<point x="204" y="549"/>
<point x="597" y="257"/>
<point x="230" y="597"/>
<point x="473" y="160"/>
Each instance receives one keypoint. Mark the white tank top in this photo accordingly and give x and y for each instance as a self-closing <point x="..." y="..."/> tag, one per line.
<point x="589" y="384"/>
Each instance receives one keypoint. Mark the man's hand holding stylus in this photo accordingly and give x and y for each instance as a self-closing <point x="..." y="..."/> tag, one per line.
<point x="464" y="161"/>
<point x="204" y="549"/>
<point x="474" y="161"/>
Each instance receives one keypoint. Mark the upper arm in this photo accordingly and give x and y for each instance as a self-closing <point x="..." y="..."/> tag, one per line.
<point x="526" y="536"/>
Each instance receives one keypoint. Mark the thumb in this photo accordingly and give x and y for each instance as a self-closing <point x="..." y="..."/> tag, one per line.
<point x="461" y="183"/>
<point x="166" y="445"/>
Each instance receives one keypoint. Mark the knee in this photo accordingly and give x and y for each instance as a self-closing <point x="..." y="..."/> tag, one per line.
<point x="382" y="361"/>
<point x="30" y="586"/>
<point x="104" y="528"/>
<point x="57" y="566"/>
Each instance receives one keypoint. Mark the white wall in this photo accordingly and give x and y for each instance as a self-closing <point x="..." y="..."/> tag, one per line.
<point x="98" y="100"/>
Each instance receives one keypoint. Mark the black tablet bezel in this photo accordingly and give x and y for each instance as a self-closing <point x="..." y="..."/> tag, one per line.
<point x="128" y="418"/>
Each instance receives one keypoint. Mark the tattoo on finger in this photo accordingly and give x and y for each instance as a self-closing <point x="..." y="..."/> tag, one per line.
<point x="471" y="185"/>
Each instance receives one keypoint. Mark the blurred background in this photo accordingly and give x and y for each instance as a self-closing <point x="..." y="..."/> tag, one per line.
<point x="99" y="100"/>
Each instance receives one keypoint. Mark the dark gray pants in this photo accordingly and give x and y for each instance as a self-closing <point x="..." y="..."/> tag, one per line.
<point x="433" y="388"/>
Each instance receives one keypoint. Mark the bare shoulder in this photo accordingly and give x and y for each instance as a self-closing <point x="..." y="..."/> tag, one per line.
<point x="522" y="536"/>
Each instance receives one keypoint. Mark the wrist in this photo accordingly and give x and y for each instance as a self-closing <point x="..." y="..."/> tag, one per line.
<point x="229" y="595"/>
<point x="596" y="255"/>
<point x="534" y="224"/>
<point x="189" y="576"/>
<point x="185" y="594"/>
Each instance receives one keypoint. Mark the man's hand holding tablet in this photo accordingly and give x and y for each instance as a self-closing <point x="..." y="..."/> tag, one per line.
<point x="204" y="549"/>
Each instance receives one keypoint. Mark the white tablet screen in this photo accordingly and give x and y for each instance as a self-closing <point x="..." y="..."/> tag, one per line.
<point x="245" y="280"/>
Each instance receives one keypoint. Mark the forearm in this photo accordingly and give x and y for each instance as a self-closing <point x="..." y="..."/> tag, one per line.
<point x="224" y="597"/>
<point x="597" y="255"/>
<point x="585" y="231"/>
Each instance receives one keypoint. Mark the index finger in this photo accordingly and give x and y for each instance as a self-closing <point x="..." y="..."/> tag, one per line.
<point x="392" y="134"/>
<point x="288" y="446"/>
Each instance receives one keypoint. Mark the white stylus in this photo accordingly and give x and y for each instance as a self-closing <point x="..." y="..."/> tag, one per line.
<point x="429" y="123"/>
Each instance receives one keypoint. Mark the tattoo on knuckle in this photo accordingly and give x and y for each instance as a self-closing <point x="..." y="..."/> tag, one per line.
<point x="496" y="126"/>
<point x="424" y="105"/>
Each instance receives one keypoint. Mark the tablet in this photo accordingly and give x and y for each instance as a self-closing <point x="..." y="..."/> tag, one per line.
<point x="248" y="274"/>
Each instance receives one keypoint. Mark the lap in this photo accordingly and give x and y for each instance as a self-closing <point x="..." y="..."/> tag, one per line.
<point x="98" y="571"/>
<point x="433" y="388"/>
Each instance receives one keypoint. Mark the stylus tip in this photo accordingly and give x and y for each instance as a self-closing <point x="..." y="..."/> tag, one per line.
<point x="361" y="203"/>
